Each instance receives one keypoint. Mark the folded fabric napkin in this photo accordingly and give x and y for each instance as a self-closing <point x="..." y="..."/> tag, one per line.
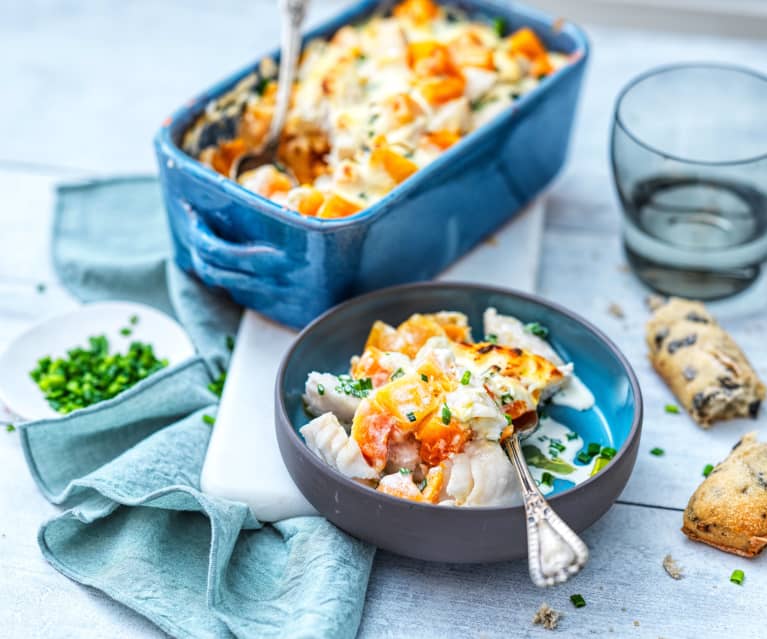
<point x="137" y="525"/>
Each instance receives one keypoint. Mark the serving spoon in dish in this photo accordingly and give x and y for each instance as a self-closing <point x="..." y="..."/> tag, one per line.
<point x="292" y="14"/>
<point x="554" y="551"/>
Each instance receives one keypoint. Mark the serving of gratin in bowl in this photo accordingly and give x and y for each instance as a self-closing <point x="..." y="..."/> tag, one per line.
<point x="416" y="129"/>
<point x="391" y="409"/>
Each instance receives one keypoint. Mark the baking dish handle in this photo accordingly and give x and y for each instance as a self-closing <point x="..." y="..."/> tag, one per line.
<point x="211" y="253"/>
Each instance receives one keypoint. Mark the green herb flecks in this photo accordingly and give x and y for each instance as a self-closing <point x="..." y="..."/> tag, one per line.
<point x="126" y="332"/>
<point x="133" y="319"/>
<point x="547" y="479"/>
<point x="535" y="457"/>
<point x="466" y="378"/>
<point x="424" y="377"/>
<point x="355" y="387"/>
<point x="499" y="26"/>
<point x="209" y="419"/>
<point x="405" y="471"/>
<point x="89" y="375"/>
<point x="492" y="338"/>
<point x="229" y="343"/>
<point x="578" y="601"/>
<point x="737" y="577"/>
<point x="397" y="374"/>
<point x="321" y="389"/>
<point x="411" y="417"/>
<point x="672" y="408"/>
<point x="658" y="452"/>
<point x="708" y="469"/>
<point x="537" y="329"/>
<point x="9" y="428"/>
<point x="446" y="414"/>
<point x="217" y="385"/>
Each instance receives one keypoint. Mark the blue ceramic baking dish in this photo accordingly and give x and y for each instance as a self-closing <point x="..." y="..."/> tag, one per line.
<point x="292" y="268"/>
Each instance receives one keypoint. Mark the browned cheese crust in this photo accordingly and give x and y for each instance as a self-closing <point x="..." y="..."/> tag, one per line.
<point x="701" y="363"/>
<point x="729" y="509"/>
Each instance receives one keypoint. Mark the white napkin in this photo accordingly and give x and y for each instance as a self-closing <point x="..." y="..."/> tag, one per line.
<point x="243" y="462"/>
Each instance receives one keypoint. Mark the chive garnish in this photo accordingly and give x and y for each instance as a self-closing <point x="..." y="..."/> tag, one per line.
<point x="492" y="338"/>
<point x="133" y="319"/>
<point x="658" y="452"/>
<point x="125" y="331"/>
<point x="354" y="387"/>
<point x="608" y="452"/>
<point x="9" y="428"/>
<point x="593" y="449"/>
<point x="707" y="469"/>
<point x="230" y="342"/>
<point x="578" y="601"/>
<point x="424" y="377"/>
<point x="555" y="443"/>
<point x="446" y="414"/>
<point x="537" y="329"/>
<point x="499" y="26"/>
<point x="466" y="378"/>
<point x="92" y="374"/>
<point x="217" y="385"/>
<point x="209" y="419"/>
<point x="397" y="374"/>
<point x="506" y="398"/>
<point x="547" y="479"/>
<point x="584" y="457"/>
<point x="405" y="471"/>
<point x="672" y="408"/>
<point x="737" y="577"/>
<point x="411" y="417"/>
<point x="508" y="419"/>
<point x="321" y="389"/>
<point x="572" y="436"/>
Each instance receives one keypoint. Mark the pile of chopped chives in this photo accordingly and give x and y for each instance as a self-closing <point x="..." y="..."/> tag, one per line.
<point x="90" y="375"/>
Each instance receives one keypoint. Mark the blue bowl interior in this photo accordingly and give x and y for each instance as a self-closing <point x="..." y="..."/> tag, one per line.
<point x="328" y="344"/>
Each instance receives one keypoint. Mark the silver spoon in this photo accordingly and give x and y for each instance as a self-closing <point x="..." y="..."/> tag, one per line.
<point x="292" y="13"/>
<point x="554" y="552"/>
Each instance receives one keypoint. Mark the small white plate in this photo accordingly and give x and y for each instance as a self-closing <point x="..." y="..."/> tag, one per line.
<point x="56" y="335"/>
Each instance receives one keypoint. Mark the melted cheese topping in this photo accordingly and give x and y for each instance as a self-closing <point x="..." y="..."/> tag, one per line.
<point x="374" y="104"/>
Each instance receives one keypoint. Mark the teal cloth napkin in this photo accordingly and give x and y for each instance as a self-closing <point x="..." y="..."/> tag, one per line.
<point x="137" y="525"/>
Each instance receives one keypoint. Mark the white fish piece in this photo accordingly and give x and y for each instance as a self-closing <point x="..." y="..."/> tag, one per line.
<point x="482" y="475"/>
<point x="454" y="115"/>
<point x="439" y="350"/>
<point x="327" y="439"/>
<point x="343" y="406"/>
<point x="478" y="82"/>
<point x="511" y="332"/>
<point x="472" y="406"/>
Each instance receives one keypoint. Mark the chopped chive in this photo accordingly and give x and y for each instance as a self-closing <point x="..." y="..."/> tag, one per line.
<point x="321" y="389"/>
<point x="10" y="428"/>
<point x="506" y="398"/>
<point x="737" y="577"/>
<point x="422" y="484"/>
<point x="707" y="469"/>
<point x="608" y="453"/>
<point x="572" y="436"/>
<point x="492" y="338"/>
<point x="424" y="377"/>
<point x="672" y="408"/>
<point x="555" y="443"/>
<point x="537" y="329"/>
<point x="230" y="342"/>
<point x="508" y="419"/>
<point x="658" y="452"/>
<point x="405" y="471"/>
<point x="578" y="601"/>
<point x="594" y="448"/>
<point x="125" y="331"/>
<point x="397" y="374"/>
<point x="466" y="378"/>
<point x="411" y="417"/>
<point x="446" y="414"/>
<point x="209" y="419"/>
<point x="133" y="319"/>
<point x="499" y="26"/>
<point x="547" y="479"/>
<point x="217" y="385"/>
<point x="584" y="457"/>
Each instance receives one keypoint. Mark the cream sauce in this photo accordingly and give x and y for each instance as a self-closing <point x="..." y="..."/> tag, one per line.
<point x="574" y="394"/>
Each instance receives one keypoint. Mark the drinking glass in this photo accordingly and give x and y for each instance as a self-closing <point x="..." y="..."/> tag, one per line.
<point x="689" y="160"/>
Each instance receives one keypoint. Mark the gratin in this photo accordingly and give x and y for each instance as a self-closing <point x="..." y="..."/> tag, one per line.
<point x="371" y="106"/>
<point x="422" y="410"/>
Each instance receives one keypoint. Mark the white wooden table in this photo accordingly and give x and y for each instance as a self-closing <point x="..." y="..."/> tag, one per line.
<point x="86" y="85"/>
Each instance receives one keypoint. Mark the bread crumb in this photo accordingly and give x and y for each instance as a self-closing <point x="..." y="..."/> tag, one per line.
<point x="672" y="568"/>
<point x="616" y="311"/>
<point x="654" y="302"/>
<point x="547" y="617"/>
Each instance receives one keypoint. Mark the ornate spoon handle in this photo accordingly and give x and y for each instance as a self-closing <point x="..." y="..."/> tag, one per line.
<point x="554" y="551"/>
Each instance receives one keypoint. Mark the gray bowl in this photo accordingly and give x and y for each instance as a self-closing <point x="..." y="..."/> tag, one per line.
<point x="439" y="533"/>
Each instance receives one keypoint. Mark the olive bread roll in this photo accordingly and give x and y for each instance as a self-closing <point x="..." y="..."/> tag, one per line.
<point x="701" y="363"/>
<point x="729" y="509"/>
